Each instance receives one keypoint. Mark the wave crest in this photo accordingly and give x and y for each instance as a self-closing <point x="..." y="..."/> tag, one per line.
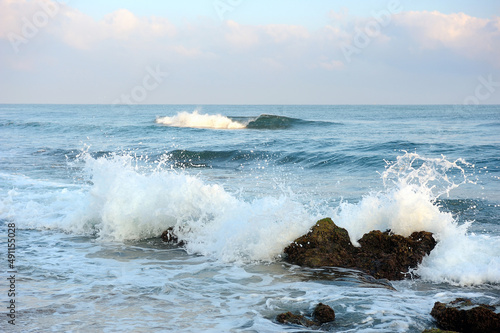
<point x="197" y="120"/>
<point x="123" y="203"/>
<point x="218" y="121"/>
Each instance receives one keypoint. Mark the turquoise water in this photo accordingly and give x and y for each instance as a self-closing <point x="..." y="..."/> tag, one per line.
<point x="90" y="187"/>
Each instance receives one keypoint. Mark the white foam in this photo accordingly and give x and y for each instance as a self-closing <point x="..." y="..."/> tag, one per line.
<point x="126" y="204"/>
<point x="463" y="260"/>
<point x="197" y="120"/>
<point x="409" y="204"/>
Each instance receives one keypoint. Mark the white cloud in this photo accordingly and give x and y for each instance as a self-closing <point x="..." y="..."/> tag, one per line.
<point x="14" y="12"/>
<point x="74" y="27"/>
<point x="233" y="54"/>
<point x="282" y="33"/>
<point x="121" y="22"/>
<point x="193" y="53"/>
<point x="332" y="65"/>
<point x="241" y="36"/>
<point x="339" y="16"/>
<point x="475" y="38"/>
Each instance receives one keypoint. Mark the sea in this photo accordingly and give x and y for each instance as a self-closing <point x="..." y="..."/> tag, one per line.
<point x="87" y="190"/>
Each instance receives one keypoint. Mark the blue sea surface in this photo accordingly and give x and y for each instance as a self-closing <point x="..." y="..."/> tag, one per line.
<point x="90" y="188"/>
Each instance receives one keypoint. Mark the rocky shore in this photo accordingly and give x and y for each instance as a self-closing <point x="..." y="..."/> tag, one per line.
<point x="382" y="255"/>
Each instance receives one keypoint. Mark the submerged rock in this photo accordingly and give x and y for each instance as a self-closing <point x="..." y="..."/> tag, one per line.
<point x="463" y="315"/>
<point x="290" y="318"/>
<point x="322" y="314"/>
<point x="382" y="254"/>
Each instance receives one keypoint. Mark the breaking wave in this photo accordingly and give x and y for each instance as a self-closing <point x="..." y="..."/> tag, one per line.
<point x="409" y="203"/>
<point x="197" y="120"/>
<point x="217" y="121"/>
<point x="120" y="202"/>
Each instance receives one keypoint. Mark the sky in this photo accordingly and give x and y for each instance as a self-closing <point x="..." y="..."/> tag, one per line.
<point x="250" y="52"/>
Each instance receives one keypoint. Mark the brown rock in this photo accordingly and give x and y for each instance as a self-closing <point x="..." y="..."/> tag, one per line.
<point x="170" y="237"/>
<point x="382" y="254"/>
<point x="464" y="316"/>
<point x="290" y="318"/>
<point x="323" y="314"/>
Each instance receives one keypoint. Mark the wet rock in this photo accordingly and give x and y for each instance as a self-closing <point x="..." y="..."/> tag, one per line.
<point x="323" y="314"/>
<point x="437" y="330"/>
<point x="170" y="237"/>
<point x="290" y="318"/>
<point x="463" y="315"/>
<point x="382" y="254"/>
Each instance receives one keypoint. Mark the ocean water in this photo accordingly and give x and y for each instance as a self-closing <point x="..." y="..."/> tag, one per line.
<point x="89" y="189"/>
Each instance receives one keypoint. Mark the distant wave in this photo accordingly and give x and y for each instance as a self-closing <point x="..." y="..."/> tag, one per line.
<point x="217" y="121"/>
<point x="197" y="120"/>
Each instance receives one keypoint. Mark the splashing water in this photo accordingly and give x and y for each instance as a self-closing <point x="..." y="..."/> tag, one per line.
<point x="123" y="203"/>
<point x="409" y="203"/>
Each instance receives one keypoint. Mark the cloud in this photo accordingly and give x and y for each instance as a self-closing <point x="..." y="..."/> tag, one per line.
<point x="13" y="12"/>
<point x="241" y="36"/>
<point x="472" y="37"/>
<point x="121" y="22"/>
<point x="340" y="15"/>
<point x="282" y="33"/>
<point x="81" y="31"/>
<point x="332" y="65"/>
<point x="230" y="55"/>
<point x="76" y="29"/>
<point x="194" y="53"/>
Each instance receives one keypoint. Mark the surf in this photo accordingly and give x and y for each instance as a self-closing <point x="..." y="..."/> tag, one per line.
<point x="413" y="185"/>
<point x="197" y="120"/>
<point x="217" y="121"/>
<point x="119" y="200"/>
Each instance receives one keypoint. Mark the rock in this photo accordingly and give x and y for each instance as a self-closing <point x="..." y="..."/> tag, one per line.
<point x="464" y="316"/>
<point x="382" y="254"/>
<point x="437" y="330"/>
<point x="290" y="318"/>
<point x="323" y="314"/>
<point x="389" y="256"/>
<point x="170" y="237"/>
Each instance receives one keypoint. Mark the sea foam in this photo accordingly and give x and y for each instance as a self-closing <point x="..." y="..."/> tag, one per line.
<point x="197" y="120"/>
<point x="125" y="203"/>
<point x="119" y="202"/>
<point x="409" y="203"/>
